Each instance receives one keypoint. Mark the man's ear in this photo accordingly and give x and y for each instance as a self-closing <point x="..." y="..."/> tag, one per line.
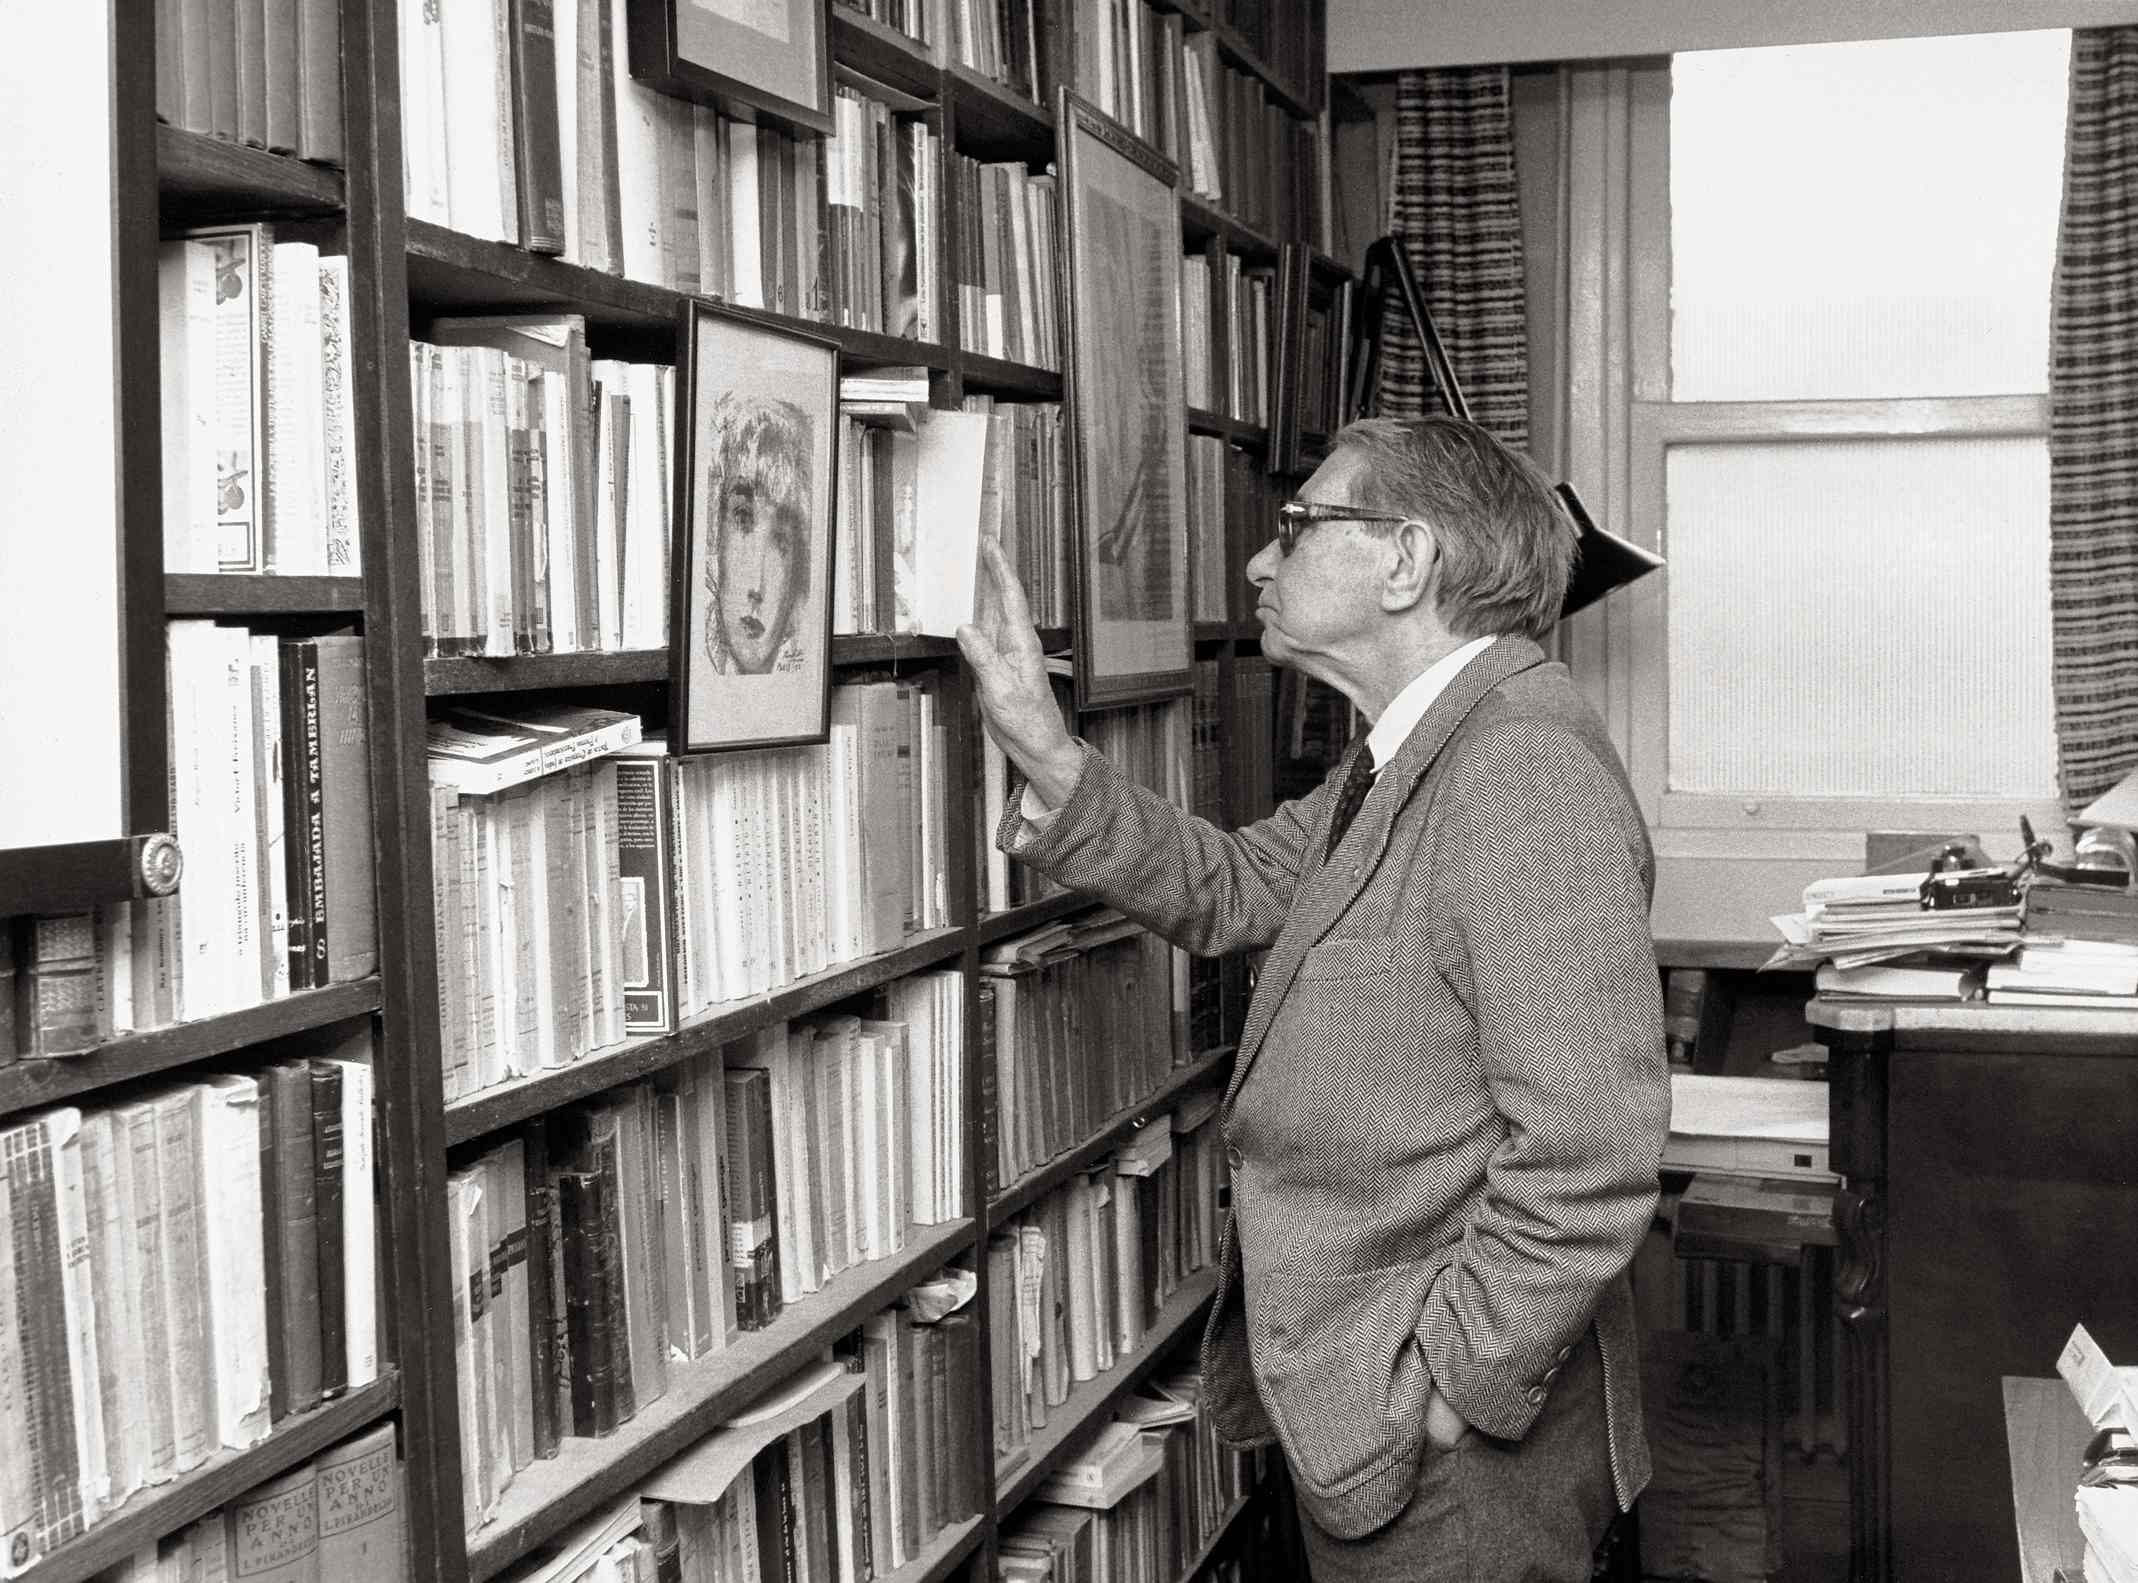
<point x="1413" y="558"/>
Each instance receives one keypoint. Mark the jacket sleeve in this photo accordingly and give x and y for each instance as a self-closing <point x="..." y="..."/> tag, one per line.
<point x="1547" y="876"/>
<point x="1206" y="890"/>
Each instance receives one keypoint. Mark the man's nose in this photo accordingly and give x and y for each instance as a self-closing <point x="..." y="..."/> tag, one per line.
<point x="1263" y="568"/>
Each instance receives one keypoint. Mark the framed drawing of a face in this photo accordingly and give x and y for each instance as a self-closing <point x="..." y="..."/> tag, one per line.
<point x="750" y="654"/>
<point x="754" y="55"/>
<point x="1127" y="419"/>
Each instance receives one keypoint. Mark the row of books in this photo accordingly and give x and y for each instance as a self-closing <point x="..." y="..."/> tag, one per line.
<point x="649" y="1227"/>
<point x="266" y="73"/>
<point x="258" y="450"/>
<point x="1006" y="41"/>
<point x="1196" y="342"/>
<point x="270" y="802"/>
<point x="336" y="1519"/>
<point x="842" y="1473"/>
<point x="1081" y="1018"/>
<point x="1139" y="1502"/>
<point x="1217" y="986"/>
<point x="544" y="489"/>
<point x="1284" y="37"/>
<point x="1008" y="882"/>
<point x="186" y="1268"/>
<point x="1208" y="541"/>
<point x="1003" y="261"/>
<point x="882" y="199"/>
<point x="919" y="20"/>
<point x="918" y="490"/>
<point x="1103" y="1253"/>
<point x="514" y="131"/>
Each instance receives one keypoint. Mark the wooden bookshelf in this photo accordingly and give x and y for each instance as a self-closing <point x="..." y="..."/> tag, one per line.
<point x="206" y="594"/>
<point x="165" y="1508"/>
<point x="1218" y="1536"/>
<point x="1111" y="1134"/>
<point x="199" y="175"/>
<point x="549" y="1496"/>
<point x="29" y="1083"/>
<point x="403" y="274"/>
<point x="1089" y="1402"/>
<point x="489" y="1109"/>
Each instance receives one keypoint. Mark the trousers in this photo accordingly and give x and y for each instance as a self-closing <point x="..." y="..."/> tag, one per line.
<point x="1496" y="1511"/>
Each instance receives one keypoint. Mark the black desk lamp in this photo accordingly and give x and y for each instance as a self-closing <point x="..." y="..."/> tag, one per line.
<point x="1603" y="561"/>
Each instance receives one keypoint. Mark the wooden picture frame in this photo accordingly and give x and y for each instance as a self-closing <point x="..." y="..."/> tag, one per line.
<point x="749" y="57"/>
<point x="756" y="484"/>
<point x="1127" y="413"/>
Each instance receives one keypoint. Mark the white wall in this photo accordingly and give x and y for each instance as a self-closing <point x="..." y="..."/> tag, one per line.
<point x="1388" y="35"/>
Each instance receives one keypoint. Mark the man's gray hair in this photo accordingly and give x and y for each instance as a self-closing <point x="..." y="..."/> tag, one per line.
<point x="1506" y="548"/>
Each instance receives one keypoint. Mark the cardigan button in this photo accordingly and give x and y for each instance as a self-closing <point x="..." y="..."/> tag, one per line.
<point x="1534" y="1395"/>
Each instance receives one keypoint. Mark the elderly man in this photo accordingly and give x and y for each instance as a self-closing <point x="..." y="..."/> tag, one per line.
<point x="1450" y="1097"/>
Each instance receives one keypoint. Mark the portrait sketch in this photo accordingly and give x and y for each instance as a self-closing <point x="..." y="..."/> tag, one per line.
<point x="753" y="636"/>
<point x="1127" y="414"/>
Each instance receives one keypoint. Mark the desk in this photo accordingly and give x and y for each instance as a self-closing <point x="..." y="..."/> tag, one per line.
<point x="2045" y="1434"/>
<point x="1989" y="1201"/>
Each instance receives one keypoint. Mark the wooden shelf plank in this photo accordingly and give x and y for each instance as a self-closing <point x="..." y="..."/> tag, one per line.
<point x="547" y="1497"/>
<point x="166" y="1508"/>
<point x="999" y="377"/>
<point x="890" y="648"/>
<point x="1201" y="420"/>
<point x="29" y="1083"/>
<point x="1237" y="53"/>
<point x="524" y="672"/>
<point x="485" y="1111"/>
<point x="877" y="50"/>
<point x="1218" y="1536"/>
<point x="1200" y="219"/>
<point x="1250" y="436"/>
<point x="1089" y="1402"/>
<point x="207" y="594"/>
<point x="994" y="926"/>
<point x="198" y="175"/>
<point x="991" y="121"/>
<point x="940" y="1556"/>
<point x="1035" y="1185"/>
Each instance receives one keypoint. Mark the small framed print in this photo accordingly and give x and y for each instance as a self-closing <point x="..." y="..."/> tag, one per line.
<point x="750" y="651"/>
<point x="772" y="56"/>
<point x="1135" y="638"/>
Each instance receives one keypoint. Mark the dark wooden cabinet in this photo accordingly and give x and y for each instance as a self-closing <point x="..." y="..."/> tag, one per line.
<point x="1989" y="1164"/>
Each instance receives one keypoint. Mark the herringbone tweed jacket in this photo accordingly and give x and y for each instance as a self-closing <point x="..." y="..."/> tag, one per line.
<point x="1450" y="1098"/>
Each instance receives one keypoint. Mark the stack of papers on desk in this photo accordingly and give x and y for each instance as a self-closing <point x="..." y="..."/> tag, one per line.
<point x="2073" y="974"/>
<point x="2107" y="1499"/>
<point x="1857" y="920"/>
<point x="1748" y="1126"/>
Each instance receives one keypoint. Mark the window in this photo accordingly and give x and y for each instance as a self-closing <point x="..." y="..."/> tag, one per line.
<point x="1839" y="418"/>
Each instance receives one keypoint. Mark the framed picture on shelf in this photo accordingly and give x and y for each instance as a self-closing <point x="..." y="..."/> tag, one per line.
<point x="765" y="55"/>
<point x="750" y="627"/>
<point x="1123" y="391"/>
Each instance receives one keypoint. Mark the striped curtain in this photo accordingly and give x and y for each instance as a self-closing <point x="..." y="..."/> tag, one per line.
<point x="2093" y="422"/>
<point x="1455" y="211"/>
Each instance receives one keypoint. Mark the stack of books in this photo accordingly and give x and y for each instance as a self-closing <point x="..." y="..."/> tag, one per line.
<point x="268" y="75"/>
<point x="258" y="450"/>
<point x="336" y="1518"/>
<point x="270" y="798"/>
<point x="621" y="1238"/>
<point x="2107" y="1503"/>
<point x="881" y="206"/>
<point x="539" y="136"/>
<point x="1104" y="1252"/>
<point x="1003" y="263"/>
<point x="190" y="1266"/>
<point x="1006" y="41"/>
<point x="1250" y="296"/>
<point x="910" y="17"/>
<point x="1865" y="920"/>
<point x="544" y="489"/>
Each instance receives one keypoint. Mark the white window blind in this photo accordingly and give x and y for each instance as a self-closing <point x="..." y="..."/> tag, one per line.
<point x="1860" y="619"/>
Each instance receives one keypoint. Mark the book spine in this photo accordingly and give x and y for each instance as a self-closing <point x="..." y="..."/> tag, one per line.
<point x="345" y="771"/>
<point x="539" y="158"/>
<point x="359" y="1225"/>
<point x="327" y="1189"/>
<point x="304" y="801"/>
<point x="593" y="1403"/>
<point x="192" y="1367"/>
<point x="107" y="1181"/>
<point x="642" y="851"/>
<point x="296" y="1229"/>
<point x="360" y="1524"/>
<point x="273" y="1216"/>
<point x="228" y="1112"/>
<point x="542" y="1287"/>
<point x="319" y="96"/>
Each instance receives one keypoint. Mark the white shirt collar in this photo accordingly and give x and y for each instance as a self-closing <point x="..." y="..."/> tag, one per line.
<point x="1408" y="707"/>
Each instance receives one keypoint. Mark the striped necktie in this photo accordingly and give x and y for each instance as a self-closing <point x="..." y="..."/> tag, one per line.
<point x="1350" y="800"/>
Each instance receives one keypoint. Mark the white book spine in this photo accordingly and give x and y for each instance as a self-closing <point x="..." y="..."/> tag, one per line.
<point x="645" y="597"/>
<point x="494" y="417"/>
<point x="746" y="250"/>
<point x="295" y="543"/>
<point x="560" y="495"/>
<point x="423" y="137"/>
<point x="239" y="337"/>
<point x="565" y="35"/>
<point x="62" y="1131"/>
<point x="472" y="66"/>
<point x="269" y="815"/>
<point x="337" y="459"/>
<point x="185" y="279"/>
<point x="237" y="824"/>
<point x="505" y="176"/>
<point x="107" y="1201"/>
<point x="360" y="1259"/>
<point x="638" y="166"/>
<point x="235" y="1277"/>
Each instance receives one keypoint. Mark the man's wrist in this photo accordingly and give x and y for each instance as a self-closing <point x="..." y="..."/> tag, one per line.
<point x="1053" y="776"/>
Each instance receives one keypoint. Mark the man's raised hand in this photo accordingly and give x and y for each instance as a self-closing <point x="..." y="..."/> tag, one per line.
<point x="1010" y="680"/>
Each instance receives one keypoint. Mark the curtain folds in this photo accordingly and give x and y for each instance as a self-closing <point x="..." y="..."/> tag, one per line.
<point x="1454" y="207"/>
<point x="2093" y="422"/>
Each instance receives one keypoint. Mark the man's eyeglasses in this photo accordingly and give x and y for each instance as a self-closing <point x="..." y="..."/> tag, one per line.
<point x="1294" y="517"/>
